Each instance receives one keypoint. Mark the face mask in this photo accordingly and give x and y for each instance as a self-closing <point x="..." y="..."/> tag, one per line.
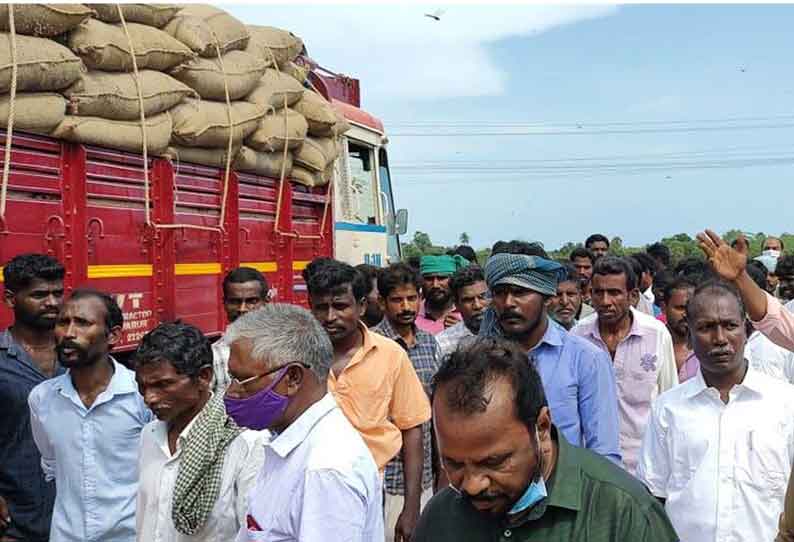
<point x="536" y="491"/>
<point x="259" y="411"/>
<point x="773" y="253"/>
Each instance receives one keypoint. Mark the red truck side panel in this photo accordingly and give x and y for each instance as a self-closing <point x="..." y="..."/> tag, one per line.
<point x="86" y="206"/>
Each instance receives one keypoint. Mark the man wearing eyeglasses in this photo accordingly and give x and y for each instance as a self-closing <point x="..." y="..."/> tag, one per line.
<point x="196" y="465"/>
<point x="320" y="481"/>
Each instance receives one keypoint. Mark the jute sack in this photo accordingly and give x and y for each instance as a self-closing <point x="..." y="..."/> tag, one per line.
<point x="205" y="76"/>
<point x="114" y="95"/>
<point x="342" y="125"/>
<point x="104" y="46"/>
<point x="197" y="155"/>
<point x="195" y="25"/>
<point x="42" y="64"/>
<point x="156" y="15"/>
<point x="316" y="153"/>
<point x="300" y="73"/>
<point x="270" y="134"/>
<point x="274" y="87"/>
<point x="267" y="164"/>
<point x="44" y="20"/>
<point x="117" y="134"/>
<point x="206" y="124"/>
<point x="306" y="177"/>
<point x="273" y="43"/>
<point x="34" y="112"/>
<point x="320" y="115"/>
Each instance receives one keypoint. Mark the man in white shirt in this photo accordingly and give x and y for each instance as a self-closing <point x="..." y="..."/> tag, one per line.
<point x="320" y="481"/>
<point x="244" y="289"/>
<point x="196" y="465"/>
<point x="762" y="354"/>
<point x="471" y="298"/>
<point x="719" y="447"/>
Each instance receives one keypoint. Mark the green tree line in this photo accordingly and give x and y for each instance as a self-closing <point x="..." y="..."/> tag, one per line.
<point x="681" y="246"/>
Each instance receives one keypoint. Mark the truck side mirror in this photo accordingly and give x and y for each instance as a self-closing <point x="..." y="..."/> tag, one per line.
<point x="401" y="222"/>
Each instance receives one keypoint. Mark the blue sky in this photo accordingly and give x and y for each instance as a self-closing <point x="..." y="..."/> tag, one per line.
<point x="633" y="112"/>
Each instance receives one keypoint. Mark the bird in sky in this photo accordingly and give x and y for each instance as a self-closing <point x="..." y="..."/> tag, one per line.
<point x="743" y="69"/>
<point x="436" y="15"/>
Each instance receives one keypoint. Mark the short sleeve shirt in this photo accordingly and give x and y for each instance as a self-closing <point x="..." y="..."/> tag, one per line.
<point x="381" y="395"/>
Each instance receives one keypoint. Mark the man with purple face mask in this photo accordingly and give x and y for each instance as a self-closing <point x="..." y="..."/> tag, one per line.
<point x="320" y="481"/>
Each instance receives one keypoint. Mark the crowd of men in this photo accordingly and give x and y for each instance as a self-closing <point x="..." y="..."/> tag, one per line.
<point x="599" y="398"/>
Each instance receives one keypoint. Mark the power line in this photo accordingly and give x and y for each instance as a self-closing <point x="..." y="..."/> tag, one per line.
<point x="759" y="151"/>
<point x="581" y="132"/>
<point x="481" y="123"/>
<point x="582" y="173"/>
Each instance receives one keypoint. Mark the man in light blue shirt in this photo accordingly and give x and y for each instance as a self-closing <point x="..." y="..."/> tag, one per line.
<point x="87" y="425"/>
<point x="577" y="377"/>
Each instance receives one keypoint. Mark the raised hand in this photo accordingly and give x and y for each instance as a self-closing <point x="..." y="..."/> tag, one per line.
<point x="727" y="262"/>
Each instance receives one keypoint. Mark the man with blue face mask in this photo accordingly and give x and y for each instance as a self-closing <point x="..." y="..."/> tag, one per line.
<point x="512" y="475"/>
<point x="320" y="481"/>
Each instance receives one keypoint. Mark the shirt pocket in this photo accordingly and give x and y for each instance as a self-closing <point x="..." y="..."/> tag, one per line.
<point x="366" y="402"/>
<point x="762" y="461"/>
<point x="638" y="385"/>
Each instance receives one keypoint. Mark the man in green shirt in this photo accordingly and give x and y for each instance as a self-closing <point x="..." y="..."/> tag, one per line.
<point x="513" y="477"/>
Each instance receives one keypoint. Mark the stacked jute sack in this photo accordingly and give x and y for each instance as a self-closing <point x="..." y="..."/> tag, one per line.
<point x="212" y="90"/>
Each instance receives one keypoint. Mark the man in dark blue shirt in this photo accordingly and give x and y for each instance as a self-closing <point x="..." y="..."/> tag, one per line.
<point x="34" y="292"/>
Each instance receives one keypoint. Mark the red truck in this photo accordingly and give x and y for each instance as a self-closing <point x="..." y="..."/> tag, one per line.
<point x="86" y="206"/>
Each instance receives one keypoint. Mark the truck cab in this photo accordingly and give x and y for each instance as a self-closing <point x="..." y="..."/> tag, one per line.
<point x="367" y="226"/>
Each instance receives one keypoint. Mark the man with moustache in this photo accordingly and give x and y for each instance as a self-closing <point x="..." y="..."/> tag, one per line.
<point x="87" y="425"/>
<point x="719" y="448"/>
<point x="371" y="378"/>
<point x="438" y="311"/>
<point x="196" y="465"/>
<point x="34" y="292"/>
<point x="319" y="481"/>
<point x="577" y="377"/>
<point x="785" y="277"/>
<point x="676" y="297"/>
<point x="566" y="307"/>
<point x="398" y="286"/>
<point x="639" y="346"/>
<point x="244" y="289"/>
<point x="513" y="475"/>
<point x="583" y="260"/>
<point x="471" y="297"/>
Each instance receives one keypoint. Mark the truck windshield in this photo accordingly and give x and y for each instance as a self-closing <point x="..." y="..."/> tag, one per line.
<point x="363" y="208"/>
<point x="393" y="241"/>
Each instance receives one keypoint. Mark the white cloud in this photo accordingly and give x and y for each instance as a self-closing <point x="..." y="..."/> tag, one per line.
<point x="398" y="53"/>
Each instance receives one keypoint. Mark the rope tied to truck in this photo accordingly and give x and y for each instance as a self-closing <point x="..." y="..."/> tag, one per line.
<point x="282" y="177"/>
<point x="136" y="78"/>
<point x="12" y="35"/>
<point x="146" y="183"/>
<point x="231" y="133"/>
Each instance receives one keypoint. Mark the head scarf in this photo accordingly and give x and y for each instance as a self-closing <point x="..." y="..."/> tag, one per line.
<point x="442" y="265"/>
<point x="529" y="272"/>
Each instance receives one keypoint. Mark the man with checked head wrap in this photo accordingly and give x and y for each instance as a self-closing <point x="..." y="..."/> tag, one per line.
<point x="577" y="377"/>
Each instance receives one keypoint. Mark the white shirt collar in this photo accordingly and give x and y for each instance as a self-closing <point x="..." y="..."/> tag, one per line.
<point x="299" y="430"/>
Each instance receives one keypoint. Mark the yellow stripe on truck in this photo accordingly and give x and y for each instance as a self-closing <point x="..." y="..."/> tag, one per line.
<point x="197" y="268"/>
<point x="263" y="267"/>
<point x="119" y="271"/>
<point x="300" y="265"/>
<point x="146" y="270"/>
